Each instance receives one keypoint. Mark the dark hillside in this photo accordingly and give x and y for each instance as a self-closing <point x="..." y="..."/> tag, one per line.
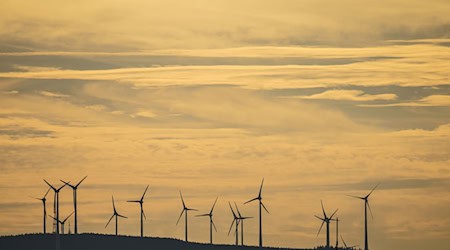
<point x="106" y="242"/>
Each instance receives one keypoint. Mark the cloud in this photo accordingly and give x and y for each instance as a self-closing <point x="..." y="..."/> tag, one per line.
<point x="16" y="133"/>
<point x="145" y="114"/>
<point x="97" y="107"/>
<point x="217" y="24"/>
<point x="11" y="92"/>
<point x="347" y="95"/>
<point x="429" y="101"/>
<point x="53" y="94"/>
<point x="442" y="131"/>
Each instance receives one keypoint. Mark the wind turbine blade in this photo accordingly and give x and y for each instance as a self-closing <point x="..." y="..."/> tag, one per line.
<point x="200" y="215"/>
<point x="114" y="207"/>
<point x="142" y="198"/>
<point x="214" y="225"/>
<point x="122" y="216"/>
<point x="254" y="199"/>
<point x="109" y="220"/>
<point x="231" y="226"/>
<point x="323" y="210"/>
<point x="323" y="221"/>
<point x="343" y="241"/>
<point x="143" y="213"/>
<point x="333" y="213"/>
<point x="261" y="187"/>
<point x="265" y="208"/>
<point x="49" y="185"/>
<point x="46" y="193"/>
<point x="319" y="218"/>
<point x="182" y="211"/>
<point x="367" y="196"/>
<point x="358" y="197"/>
<point x="237" y="209"/>
<point x="81" y="181"/>
<point x="67" y="183"/>
<point x="134" y="201"/>
<point x="370" y="210"/>
<point x="68" y="216"/>
<point x="182" y="200"/>
<point x="234" y="215"/>
<point x="213" y="205"/>
<point x="191" y="209"/>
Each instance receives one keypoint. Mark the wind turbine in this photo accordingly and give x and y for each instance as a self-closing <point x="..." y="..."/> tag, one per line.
<point x="366" y="204"/>
<point x="327" y="220"/>
<point x="241" y="219"/>
<point x="259" y="198"/>
<point x="141" y="202"/>
<point x="75" y="200"/>
<point x="345" y="244"/>
<point x="43" y="199"/>
<point x="337" y="232"/>
<point x="185" y="211"/>
<point x="116" y="214"/>
<point x="235" y="220"/>
<point x="211" y="222"/>
<point x="56" y="201"/>
<point x="62" y="222"/>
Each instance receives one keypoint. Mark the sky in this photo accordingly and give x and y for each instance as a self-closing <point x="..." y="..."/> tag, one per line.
<point x="321" y="98"/>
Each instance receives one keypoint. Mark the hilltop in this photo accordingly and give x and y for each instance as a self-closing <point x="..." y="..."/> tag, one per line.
<point x="107" y="242"/>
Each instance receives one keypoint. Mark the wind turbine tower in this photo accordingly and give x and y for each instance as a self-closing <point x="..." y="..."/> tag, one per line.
<point x="326" y="220"/>
<point x="115" y="214"/>
<point x="235" y="221"/>
<point x="337" y="232"/>
<point x="43" y="199"/>
<point x="211" y="222"/>
<point x="75" y="201"/>
<point x="56" y="203"/>
<point x="366" y="205"/>
<point x="141" y="203"/>
<point x="185" y="211"/>
<point x="261" y="205"/>
<point x="241" y="219"/>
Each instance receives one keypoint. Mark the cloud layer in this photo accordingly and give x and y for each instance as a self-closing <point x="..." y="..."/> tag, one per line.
<point x="323" y="99"/>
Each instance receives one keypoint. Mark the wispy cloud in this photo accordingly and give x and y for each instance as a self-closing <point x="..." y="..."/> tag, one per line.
<point x="347" y="95"/>
<point x="53" y="94"/>
<point x="429" y="101"/>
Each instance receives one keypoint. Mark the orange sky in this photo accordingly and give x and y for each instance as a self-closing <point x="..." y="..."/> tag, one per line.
<point x="322" y="99"/>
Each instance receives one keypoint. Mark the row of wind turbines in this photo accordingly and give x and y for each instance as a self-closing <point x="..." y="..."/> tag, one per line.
<point x="238" y="218"/>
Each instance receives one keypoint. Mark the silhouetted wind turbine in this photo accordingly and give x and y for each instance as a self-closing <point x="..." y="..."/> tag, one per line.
<point x="62" y="222"/>
<point x="259" y="198"/>
<point x="235" y="220"/>
<point x="366" y="204"/>
<point x="75" y="201"/>
<point x="327" y="220"/>
<point x="337" y="232"/>
<point x="241" y="219"/>
<point x="56" y="201"/>
<point x="116" y="214"/>
<point x="211" y="222"/>
<point x="345" y="244"/>
<point x="185" y="211"/>
<point x="141" y="202"/>
<point x="43" y="199"/>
